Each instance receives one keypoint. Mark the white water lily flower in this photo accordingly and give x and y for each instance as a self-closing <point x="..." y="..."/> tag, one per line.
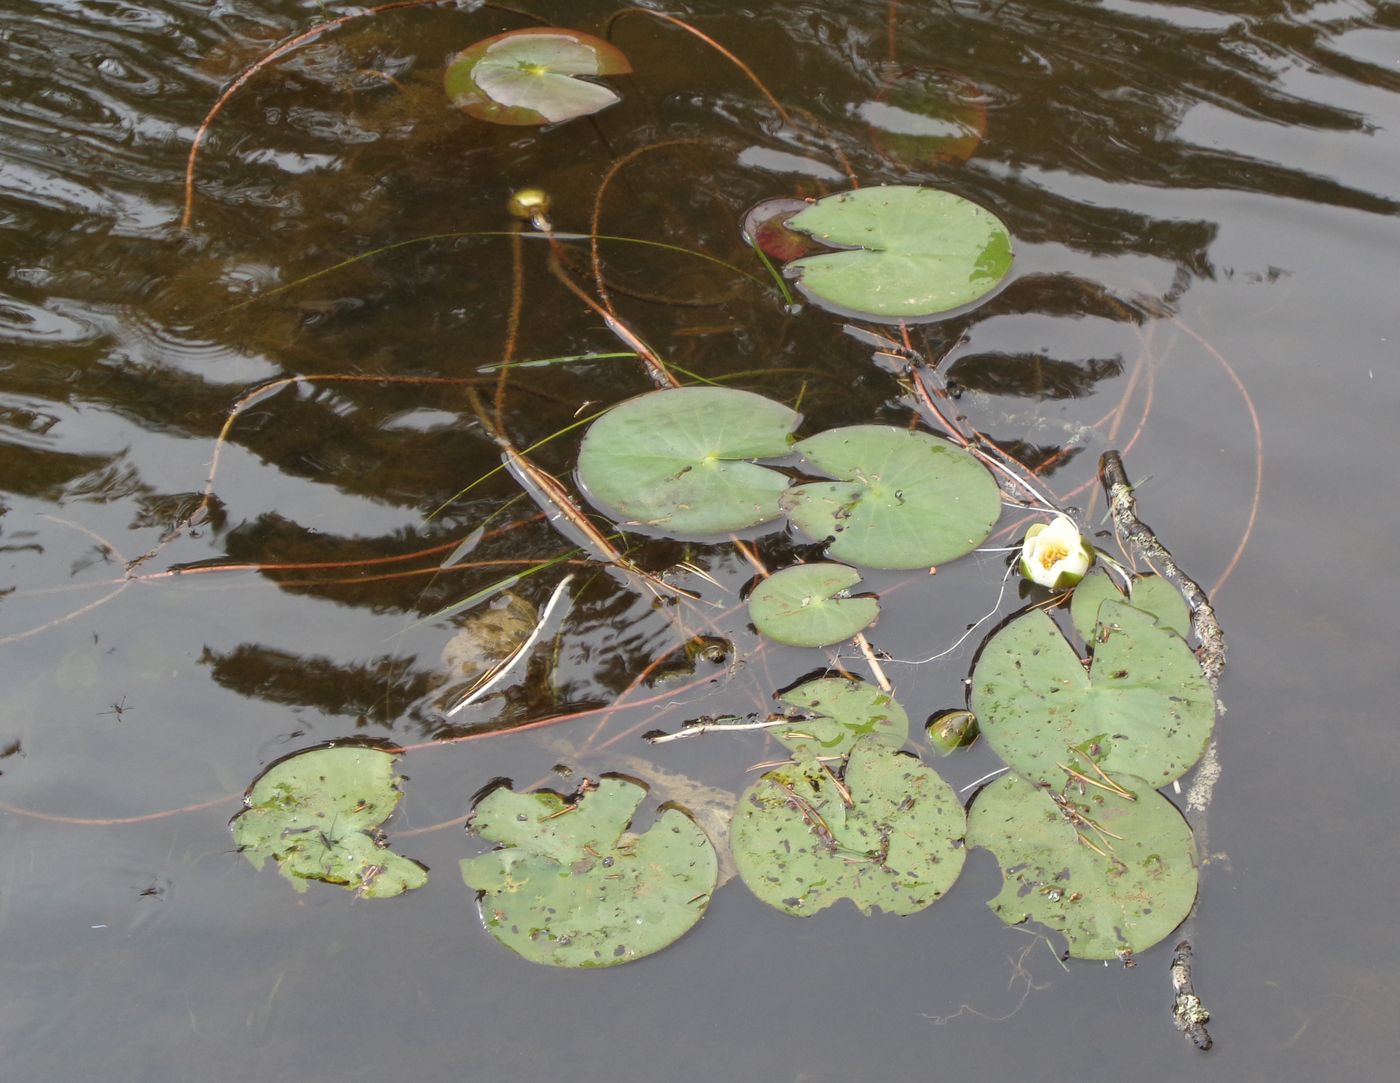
<point x="1055" y="555"/>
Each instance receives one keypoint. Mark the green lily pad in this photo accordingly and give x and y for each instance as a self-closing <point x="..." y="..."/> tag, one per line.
<point x="1143" y="709"/>
<point x="317" y="815"/>
<point x="531" y="76"/>
<point x="1150" y="593"/>
<point x="833" y="713"/>
<point x="809" y="605"/>
<point x="800" y="847"/>
<point x="903" y="499"/>
<point x="1125" y="898"/>
<point x="569" y="888"/>
<point x="674" y="461"/>
<point x="915" y="252"/>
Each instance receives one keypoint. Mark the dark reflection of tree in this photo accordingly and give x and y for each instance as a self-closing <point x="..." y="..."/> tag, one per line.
<point x="1032" y="376"/>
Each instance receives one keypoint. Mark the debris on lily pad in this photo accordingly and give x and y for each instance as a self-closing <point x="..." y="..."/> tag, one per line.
<point x="832" y="713"/>
<point x="1113" y="875"/>
<point x="1150" y="593"/>
<point x="531" y="76"/>
<point x="888" y="835"/>
<point x="675" y="462"/>
<point x="572" y="887"/>
<point x="907" y="252"/>
<point x="810" y="605"/>
<point x="1144" y="708"/>
<point x="902" y="499"/>
<point x="317" y="815"/>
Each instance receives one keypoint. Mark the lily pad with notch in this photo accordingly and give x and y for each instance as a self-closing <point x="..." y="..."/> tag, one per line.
<point x="317" y="815"/>
<point x="531" y="76"/>
<point x="810" y="605"/>
<point x="888" y="836"/>
<point x="1144" y="708"/>
<point x="676" y="462"/>
<point x="1112" y="875"/>
<point x="1150" y="593"/>
<point x="902" y="499"/>
<point x="833" y="713"/>
<point x="911" y="252"/>
<point x="572" y="887"/>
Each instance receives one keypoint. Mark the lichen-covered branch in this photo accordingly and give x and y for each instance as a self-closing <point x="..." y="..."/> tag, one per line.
<point x="1122" y="506"/>
<point x="1189" y="1014"/>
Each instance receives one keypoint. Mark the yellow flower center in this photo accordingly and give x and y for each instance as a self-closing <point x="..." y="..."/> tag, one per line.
<point x="1051" y="555"/>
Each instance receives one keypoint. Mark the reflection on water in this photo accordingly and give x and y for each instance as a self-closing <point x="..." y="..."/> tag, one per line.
<point x="1168" y="171"/>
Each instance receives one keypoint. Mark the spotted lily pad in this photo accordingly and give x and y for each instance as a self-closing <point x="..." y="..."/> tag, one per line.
<point x="1143" y="709"/>
<point x="531" y="76"/>
<point x="675" y="462"/>
<point x="1112" y="875"/>
<point x="1150" y="593"/>
<point x="317" y="815"/>
<point x="832" y="713"/>
<point x="903" y="499"/>
<point x="809" y="605"/>
<point x="569" y="888"/>
<point x="913" y="252"/>
<point x="896" y="846"/>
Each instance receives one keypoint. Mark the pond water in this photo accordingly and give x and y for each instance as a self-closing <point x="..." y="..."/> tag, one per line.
<point x="1204" y="208"/>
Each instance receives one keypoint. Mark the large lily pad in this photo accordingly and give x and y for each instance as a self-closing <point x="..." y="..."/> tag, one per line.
<point x="531" y="76"/>
<point x="800" y="846"/>
<point x="809" y="605"/>
<point x="1112" y="875"/>
<point x="674" y="461"/>
<point x="1144" y="708"/>
<point x="569" y="888"/>
<point x="317" y="815"/>
<point x="1150" y="593"/>
<point x="903" y="499"/>
<point x="915" y="252"/>
<point x="833" y="713"/>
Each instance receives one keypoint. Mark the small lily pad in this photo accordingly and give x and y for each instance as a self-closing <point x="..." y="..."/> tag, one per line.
<point x="833" y="713"/>
<point x="569" y="888"/>
<point x="675" y="462"/>
<point x="531" y="76"/>
<point x="903" y="499"/>
<point x="317" y="815"/>
<point x="1112" y="875"/>
<point x="1150" y="593"/>
<point x="914" y="252"/>
<point x="896" y="846"/>
<point x="1143" y="709"/>
<point x="809" y="605"/>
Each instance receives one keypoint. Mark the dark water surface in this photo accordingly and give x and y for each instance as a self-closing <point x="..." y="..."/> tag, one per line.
<point x="1203" y="199"/>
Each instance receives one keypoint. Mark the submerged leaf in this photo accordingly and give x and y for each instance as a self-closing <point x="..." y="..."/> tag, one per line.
<point x="904" y="499"/>
<point x="833" y="713"/>
<point x="530" y="76"/>
<point x="800" y="846"/>
<point x="915" y="252"/>
<point x="1112" y="875"/>
<point x="927" y="116"/>
<point x="317" y="815"/>
<point x="568" y="888"/>
<point x="675" y="461"/>
<point x="1144" y="708"/>
<point x="808" y="605"/>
